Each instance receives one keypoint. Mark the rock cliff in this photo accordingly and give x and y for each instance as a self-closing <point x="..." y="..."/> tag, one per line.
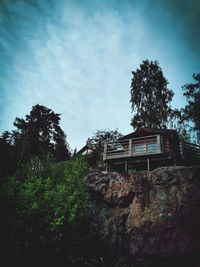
<point x="147" y="217"/>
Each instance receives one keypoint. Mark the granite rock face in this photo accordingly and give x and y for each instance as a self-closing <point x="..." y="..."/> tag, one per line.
<point x="144" y="215"/>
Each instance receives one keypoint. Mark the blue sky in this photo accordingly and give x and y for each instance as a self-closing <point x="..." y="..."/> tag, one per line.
<point x="76" y="57"/>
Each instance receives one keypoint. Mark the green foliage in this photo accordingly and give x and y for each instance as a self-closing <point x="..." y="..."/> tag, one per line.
<point x="150" y="96"/>
<point x="192" y="108"/>
<point x="40" y="133"/>
<point x="98" y="140"/>
<point x="59" y="201"/>
<point x="46" y="207"/>
<point x="37" y="135"/>
<point x="181" y="125"/>
<point x="102" y="136"/>
<point x="7" y="155"/>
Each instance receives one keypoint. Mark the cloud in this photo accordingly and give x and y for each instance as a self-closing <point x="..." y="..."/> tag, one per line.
<point x="77" y="59"/>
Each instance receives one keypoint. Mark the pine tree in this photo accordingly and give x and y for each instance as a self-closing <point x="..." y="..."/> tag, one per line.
<point x="39" y="134"/>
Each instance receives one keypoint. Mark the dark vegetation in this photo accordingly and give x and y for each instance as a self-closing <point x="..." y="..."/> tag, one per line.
<point x="151" y="99"/>
<point x="43" y="214"/>
<point x="44" y="205"/>
<point x="191" y="112"/>
<point x="38" y="134"/>
<point x="97" y="143"/>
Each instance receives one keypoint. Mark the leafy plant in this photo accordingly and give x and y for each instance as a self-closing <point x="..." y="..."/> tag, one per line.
<point x="46" y="211"/>
<point x="192" y="109"/>
<point x="98" y="140"/>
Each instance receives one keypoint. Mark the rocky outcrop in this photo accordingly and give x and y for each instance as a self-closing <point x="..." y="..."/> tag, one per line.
<point x="144" y="216"/>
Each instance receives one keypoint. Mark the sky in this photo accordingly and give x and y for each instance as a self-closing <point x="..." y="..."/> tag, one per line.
<point x="76" y="57"/>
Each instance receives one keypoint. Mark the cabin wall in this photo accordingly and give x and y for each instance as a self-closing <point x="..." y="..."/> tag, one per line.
<point x="170" y="147"/>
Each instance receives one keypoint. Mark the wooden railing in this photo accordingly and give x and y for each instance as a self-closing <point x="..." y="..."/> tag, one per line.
<point x="187" y="150"/>
<point x="132" y="147"/>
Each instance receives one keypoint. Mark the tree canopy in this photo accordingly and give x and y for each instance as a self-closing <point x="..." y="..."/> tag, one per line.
<point x="102" y="136"/>
<point x="150" y="96"/>
<point x="99" y="138"/>
<point x="192" y="109"/>
<point x="36" y="135"/>
<point x="40" y="133"/>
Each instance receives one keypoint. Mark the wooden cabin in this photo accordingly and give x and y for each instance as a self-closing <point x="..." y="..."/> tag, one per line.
<point x="149" y="148"/>
<point x="89" y="154"/>
<point x="86" y="150"/>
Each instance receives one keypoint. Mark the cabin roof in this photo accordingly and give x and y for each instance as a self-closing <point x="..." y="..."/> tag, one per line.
<point x="85" y="147"/>
<point x="150" y="131"/>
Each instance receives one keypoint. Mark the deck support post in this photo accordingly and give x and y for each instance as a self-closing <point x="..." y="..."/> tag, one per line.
<point x="159" y="143"/>
<point x="126" y="165"/>
<point x="106" y="166"/>
<point x="174" y="162"/>
<point x="181" y="149"/>
<point x="130" y="147"/>
<point x="148" y="164"/>
<point x="105" y="151"/>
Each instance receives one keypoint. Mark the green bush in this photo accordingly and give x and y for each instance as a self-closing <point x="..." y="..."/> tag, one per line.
<point x="58" y="199"/>
<point x="46" y="209"/>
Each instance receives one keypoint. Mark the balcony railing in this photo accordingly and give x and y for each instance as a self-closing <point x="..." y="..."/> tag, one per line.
<point x="133" y="147"/>
<point x="188" y="150"/>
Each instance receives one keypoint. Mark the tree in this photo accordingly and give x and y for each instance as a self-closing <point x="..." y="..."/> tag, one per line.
<point x="7" y="157"/>
<point x="39" y="134"/>
<point x="192" y="108"/>
<point x="150" y="96"/>
<point x="99" y="138"/>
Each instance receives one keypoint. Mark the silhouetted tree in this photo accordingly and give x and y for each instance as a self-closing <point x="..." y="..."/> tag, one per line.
<point x="192" y="108"/>
<point x="180" y="124"/>
<point x="7" y="156"/>
<point x="150" y="96"/>
<point x="98" y="140"/>
<point x="39" y="134"/>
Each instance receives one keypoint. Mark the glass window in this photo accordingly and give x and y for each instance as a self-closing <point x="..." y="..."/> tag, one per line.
<point x="146" y="148"/>
<point x="139" y="148"/>
<point x="152" y="147"/>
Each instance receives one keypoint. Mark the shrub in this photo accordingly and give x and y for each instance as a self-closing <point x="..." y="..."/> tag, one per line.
<point x="47" y="210"/>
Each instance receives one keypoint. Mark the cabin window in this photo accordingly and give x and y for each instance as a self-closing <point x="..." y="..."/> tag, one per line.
<point x="152" y="147"/>
<point x="139" y="148"/>
<point x="146" y="148"/>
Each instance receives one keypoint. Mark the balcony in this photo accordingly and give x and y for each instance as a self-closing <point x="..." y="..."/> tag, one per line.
<point x="134" y="147"/>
